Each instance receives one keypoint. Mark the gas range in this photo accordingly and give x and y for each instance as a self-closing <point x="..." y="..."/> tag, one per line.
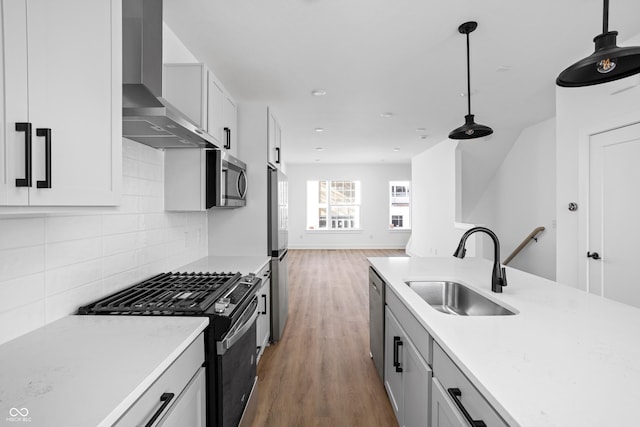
<point x="230" y="303"/>
<point x="179" y="294"/>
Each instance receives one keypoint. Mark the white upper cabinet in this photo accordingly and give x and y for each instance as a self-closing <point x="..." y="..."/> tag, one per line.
<point x="62" y="93"/>
<point x="274" y="141"/>
<point x="215" y="106"/>
<point x="230" y="128"/>
<point x="194" y="90"/>
<point x="185" y="87"/>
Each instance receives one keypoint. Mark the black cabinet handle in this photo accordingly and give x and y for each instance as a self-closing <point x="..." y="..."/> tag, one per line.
<point x="594" y="255"/>
<point x="228" y="143"/>
<point x="47" y="157"/>
<point x="165" y="399"/>
<point x="455" y="394"/>
<point x="278" y="155"/>
<point x="264" y="297"/>
<point x="397" y="342"/>
<point x="26" y="128"/>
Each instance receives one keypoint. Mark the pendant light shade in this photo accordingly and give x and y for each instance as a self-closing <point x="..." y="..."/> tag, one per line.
<point x="470" y="129"/>
<point x="608" y="63"/>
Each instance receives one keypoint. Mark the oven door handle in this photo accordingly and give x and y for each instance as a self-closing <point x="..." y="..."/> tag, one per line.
<point x="250" y="314"/>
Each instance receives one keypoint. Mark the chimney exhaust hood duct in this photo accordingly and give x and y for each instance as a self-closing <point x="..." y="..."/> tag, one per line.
<point x="147" y="117"/>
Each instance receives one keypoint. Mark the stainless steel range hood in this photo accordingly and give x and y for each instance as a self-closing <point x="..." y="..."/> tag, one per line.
<point x="146" y="116"/>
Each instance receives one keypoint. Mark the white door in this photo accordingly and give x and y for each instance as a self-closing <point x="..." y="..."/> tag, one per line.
<point x="614" y="204"/>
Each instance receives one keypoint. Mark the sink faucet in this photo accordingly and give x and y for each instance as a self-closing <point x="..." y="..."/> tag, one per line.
<point x="498" y="275"/>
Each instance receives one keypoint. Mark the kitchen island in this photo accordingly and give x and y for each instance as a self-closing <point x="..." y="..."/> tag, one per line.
<point x="567" y="358"/>
<point x="89" y="370"/>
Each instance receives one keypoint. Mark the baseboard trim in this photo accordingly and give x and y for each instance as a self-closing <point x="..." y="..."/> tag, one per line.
<point x="346" y="246"/>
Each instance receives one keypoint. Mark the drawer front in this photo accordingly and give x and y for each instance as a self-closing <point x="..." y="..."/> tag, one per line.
<point x="190" y="407"/>
<point x="419" y="335"/>
<point x="173" y="380"/>
<point x="451" y="377"/>
<point x="444" y="412"/>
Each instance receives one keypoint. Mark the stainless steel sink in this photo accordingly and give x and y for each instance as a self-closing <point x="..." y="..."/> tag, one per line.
<point x="457" y="299"/>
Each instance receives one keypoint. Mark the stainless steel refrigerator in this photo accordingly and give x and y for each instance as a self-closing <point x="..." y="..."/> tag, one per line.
<point x="278" y="236"/>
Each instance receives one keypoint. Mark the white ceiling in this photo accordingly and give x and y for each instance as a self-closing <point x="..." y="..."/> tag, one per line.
<point x="399" y="56"/>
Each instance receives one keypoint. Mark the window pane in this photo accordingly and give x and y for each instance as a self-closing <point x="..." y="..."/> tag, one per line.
<point x="333" y="205"/>
<point x="322" y="218"/>
<point x="322" y="192"/>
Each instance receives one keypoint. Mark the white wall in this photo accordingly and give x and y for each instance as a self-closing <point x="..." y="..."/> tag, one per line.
<point x="578" y="111"/>
<point x="374" y="211"/>
<point x="243" y="231"/>
<point x="435" y="178"/>
<point x="520" y="197"/>
<point x="173" y="50"/>
<point x="50" y="264"/>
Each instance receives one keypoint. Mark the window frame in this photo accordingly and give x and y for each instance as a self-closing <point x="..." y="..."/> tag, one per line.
<point x="401" y="208"/>
<point x="330" y="206"/>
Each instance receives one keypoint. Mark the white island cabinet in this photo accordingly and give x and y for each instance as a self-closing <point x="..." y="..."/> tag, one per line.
<point x="62" y="99"/>
<point x="103" y="371"/>
<point x="533" y="368"/>
<point x="407" y="375"/>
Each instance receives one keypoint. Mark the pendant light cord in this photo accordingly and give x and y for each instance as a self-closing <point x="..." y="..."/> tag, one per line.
<point x="605" y="17"/>
<point x="469" y="77"/>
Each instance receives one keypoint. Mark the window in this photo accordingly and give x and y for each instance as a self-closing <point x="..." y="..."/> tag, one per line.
<point x="333" y="205"/>
<point x="399" y="205"/>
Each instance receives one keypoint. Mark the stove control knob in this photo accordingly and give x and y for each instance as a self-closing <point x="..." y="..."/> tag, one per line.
<point x="220" y="308"/>
<point x="225" y="301"/>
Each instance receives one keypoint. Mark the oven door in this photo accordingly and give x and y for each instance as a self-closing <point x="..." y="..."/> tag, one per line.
<point x="237" y="367"/>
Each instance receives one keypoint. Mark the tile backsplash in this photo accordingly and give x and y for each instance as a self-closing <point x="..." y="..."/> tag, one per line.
<point x="50" y="264"/>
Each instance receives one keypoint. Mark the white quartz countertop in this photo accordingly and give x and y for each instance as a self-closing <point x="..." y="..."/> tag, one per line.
<point x="87" y="370"/>
<point x="227" y="264"/>
<point x="568" y="358"/>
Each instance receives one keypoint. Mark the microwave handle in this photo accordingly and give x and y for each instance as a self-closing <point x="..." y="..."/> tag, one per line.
<point x="242" y="176"/>
<point x="223" y="183"/>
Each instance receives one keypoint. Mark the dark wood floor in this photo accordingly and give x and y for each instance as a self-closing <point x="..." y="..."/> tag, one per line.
<point x="320" y="372"/>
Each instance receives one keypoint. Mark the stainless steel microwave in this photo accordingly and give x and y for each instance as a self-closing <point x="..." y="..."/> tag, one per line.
<point x="199" y="179"/>
<point x="226" y="180"/>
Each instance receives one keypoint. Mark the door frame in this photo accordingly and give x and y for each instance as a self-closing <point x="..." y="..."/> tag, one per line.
<point x="584" y="142"/>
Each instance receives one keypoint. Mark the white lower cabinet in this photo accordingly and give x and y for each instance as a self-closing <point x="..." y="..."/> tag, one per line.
<point x="263" y="324"/>
<point x="443" y="411"/>
<point x="407" y="376"/>
<point x="189" y="409"/>
<point x="178" y="392"/>
<point x="458" y="402"/>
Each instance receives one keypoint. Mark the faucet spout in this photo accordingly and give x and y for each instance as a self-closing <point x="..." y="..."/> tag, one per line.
<point x="498" y="274"/>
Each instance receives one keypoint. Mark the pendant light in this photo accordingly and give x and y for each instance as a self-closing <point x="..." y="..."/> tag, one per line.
<point x="470" y="129"/>
<point x="608" y="63"/>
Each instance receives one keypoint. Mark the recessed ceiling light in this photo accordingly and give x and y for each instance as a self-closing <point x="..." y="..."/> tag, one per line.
<point x="386" y="115"/>
<point x="503" y="68"/>
<point x="423" y="137"/>
<point x="396" y="149"/>
<point x="319" y="130"/>
<point x="421" y="130"/>
<point x="319" y="149"/>
<point x="319" y="92"/>
<point x="317" y="160"/>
